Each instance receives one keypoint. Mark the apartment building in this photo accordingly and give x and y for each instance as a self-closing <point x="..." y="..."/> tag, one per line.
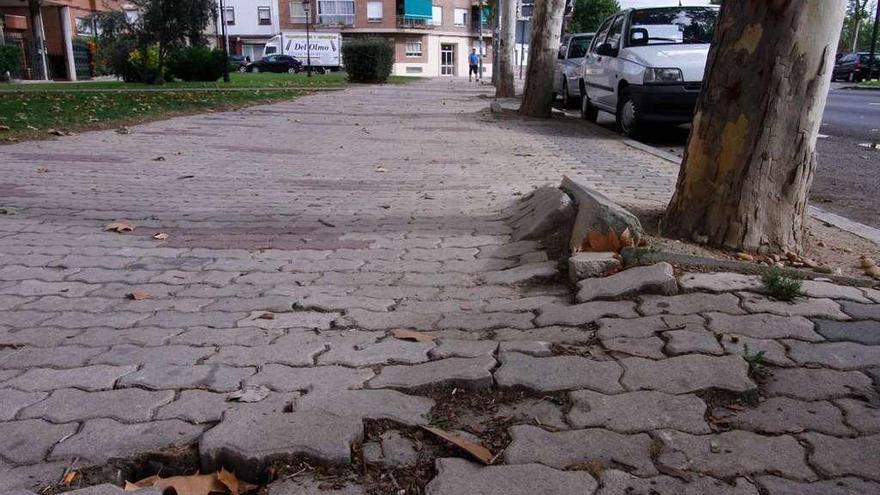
<point x="430" y="37"/>
<point x="46" y="35"/>
<point x="249" y="25"/>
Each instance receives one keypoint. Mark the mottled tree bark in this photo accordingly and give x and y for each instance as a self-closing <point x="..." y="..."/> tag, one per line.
<point x="504" y="87"/>
<point x="751" y="155"/>
<point x="543" y="48"/>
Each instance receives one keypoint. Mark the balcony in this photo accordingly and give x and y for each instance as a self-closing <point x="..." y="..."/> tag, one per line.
<point x="475" y="26"/>
<point x="414" y="23"/>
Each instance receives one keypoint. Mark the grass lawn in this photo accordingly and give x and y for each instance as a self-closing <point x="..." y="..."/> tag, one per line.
<point x="871" y="84"/>
<point x="30" y="111"/>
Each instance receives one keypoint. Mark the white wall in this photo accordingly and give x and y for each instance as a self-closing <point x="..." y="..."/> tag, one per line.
<point x="247" y="21"/>
<point x="431" y="68"/>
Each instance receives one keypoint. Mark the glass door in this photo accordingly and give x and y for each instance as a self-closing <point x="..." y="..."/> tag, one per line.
<point x="447" y="59"/>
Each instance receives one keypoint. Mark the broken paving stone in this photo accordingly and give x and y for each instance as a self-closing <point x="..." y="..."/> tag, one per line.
<point x="202" y="376"/>
<point x="391" y="450"/>
<point x="739" y="453"/>
<point x="845" y="456"/>
<point x="689" y="373"/>
<point x="566" y="448"/>
<point x="249" y="394"/>
<point x="634" y="412"/>
<point x="650" y="347"/>
<point x="654" y="279"/>
<point x="784" y="415"/>
<point x="614" y="482"/>
<point x="692" y="303"/>
<point x="474" y="373"/>
<point x="588" y="264"/>
<point x="596" y="212"/>
<point x="838" y="486"/>
<point x="692" y="342"/>
<point x="817" y="384"/>
<point x="317" y="378"/>
<point x="522" y="274"/>
<point x="358" y="349"/>
<point x="102" y="439"/>
<point x="370" y="404"/>
<point x="542" y="212"/>
<point x="610" y="328"/>
<point x="249" y="440"/>
<point x="774" y="352"/>
<point x="458" y="476"/>
<point x="581" y="314"/>
<point x="558" y="373"/>
<point x="861" y="331"/>
<point x="720" y="282"/>
<point x="201" y="406"/>
<point x="764" y="326"/>
<point x="532" y="348"/>
<point x="838" y="355"/>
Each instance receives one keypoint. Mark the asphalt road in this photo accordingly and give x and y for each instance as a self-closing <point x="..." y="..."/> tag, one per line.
<point x="847" y="178"/>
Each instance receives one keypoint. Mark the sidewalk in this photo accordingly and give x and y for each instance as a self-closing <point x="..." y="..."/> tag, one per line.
<point x="301" y="234"/>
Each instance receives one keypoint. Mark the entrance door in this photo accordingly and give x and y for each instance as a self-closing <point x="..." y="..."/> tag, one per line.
<point x="447" y="59"/>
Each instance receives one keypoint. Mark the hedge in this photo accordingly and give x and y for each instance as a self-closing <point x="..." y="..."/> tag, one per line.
<point x="368" y="60"/>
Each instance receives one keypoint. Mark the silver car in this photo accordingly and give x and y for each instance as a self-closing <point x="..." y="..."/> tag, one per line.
<point x="567" y="73"/>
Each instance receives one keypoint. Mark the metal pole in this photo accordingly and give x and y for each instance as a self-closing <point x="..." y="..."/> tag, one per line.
<point x="522" y="46"/>
<point x="226" y="41"/>
<point x="308" y="40"/>
<point x="480" y="58"/>
<point x="871" y="59"/>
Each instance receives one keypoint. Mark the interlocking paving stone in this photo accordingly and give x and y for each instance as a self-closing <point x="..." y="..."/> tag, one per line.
<point x="720" y="282"/>
<point x="391" y="450"/>
<point x="301" y="485"/>
<point x="580" y="314"/>
<point x="861" y="415"/>
<point x="297" y="319"/>
<point x="373" y="320"/>
<point x="463" y="348"/>
<point x="486" y="321"/>
<point x="97" y="377"/>
<point x="286" y="379"/>
<point x="690" y="342"/>
<point x="564" y="448"/>
<point x="244" y="336"/>
<point x="218" y="378"/>
<point x="812" y="307"/>
<point x="39" y="337"/>
<point x="41" y="288"/>
<point x="522" y="304"/>
<point x="30" y="478"/>
<point x="522" y="273"/>
<point x="816" y="384"/>
<point x="784" y="415"/>
<point x="363" y="350"/>
<point x="690" y="373"/>
<point x="532" y="348"/>
<point x="249" y="440"/>
<point x="533" y="411"/>
<point x="654" y="279"/>
<point x="838" y="355"/>
<point x="649" y="347"/>
<point x="764" y="326"/>
<point x="102" y="439"/>
<point x="201" y="406"/>
<point x="814" y="288"/>
<point x="167" y="354"/>
<point x="774" y="352"/>
<point x="327" y="302"/>
<point x="861" y="311"/>
<point x="16" y="400"/>
<point x="28" y="441"/>
<point x="108" y="489"/>
<point x="558" y="373"/>
<point x="610" y="328"/>
<point x="684" y="304"/>
<point x="837" y="486"/>
<point x="634" y="412"/>
<point x="54" y="357"/>
<point x="295" y="349"/>
<point x="556" y="334"/>
<point x="845" y="456"/>
<point x="70" y="404"/>
<point x="614" y="482"/>
<point x="457" y="476"/>
<point x="863" y="331"/>
<point x="372" y="404"/>
<point x="589" y="264"/>
<point x="734" y="453"/>
<point x="465" y="372"/>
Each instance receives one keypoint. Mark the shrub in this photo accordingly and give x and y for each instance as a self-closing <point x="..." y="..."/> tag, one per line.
<point x="10" y="60"/>
<point x="368" y="60"/>
<point x="780" y="285"/>
<point x="197" y="63"/>
<point x="145" y="71"/>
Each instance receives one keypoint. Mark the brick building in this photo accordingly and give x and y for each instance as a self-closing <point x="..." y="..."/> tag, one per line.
<point x="54" y="54"/>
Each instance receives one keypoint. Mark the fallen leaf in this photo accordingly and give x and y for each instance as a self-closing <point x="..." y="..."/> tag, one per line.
<point x="479" y="452"/>
<point x="69" y="477"/>
<point x="161" y="236"/>
<point x="404" y="334"/>
<point x="235" y="485"/>
<point x="119" y="227"/>
<point x="626" y="239"/>
<point x="249" y="394"/>
<point x="139" y="295"/>
<point x="267" y="316"/>
<point x="745" y="257"/>
<point x="195" y="484"/>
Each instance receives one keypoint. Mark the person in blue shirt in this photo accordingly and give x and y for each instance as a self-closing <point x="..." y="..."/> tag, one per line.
<point x="474" y="62"/>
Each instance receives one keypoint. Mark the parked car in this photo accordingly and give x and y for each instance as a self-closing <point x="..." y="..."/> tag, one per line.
<point x="567" y="72"/>
<point x="853" y="67"/>
<point x="275" y="63"/>
<point x="646" y="66"/>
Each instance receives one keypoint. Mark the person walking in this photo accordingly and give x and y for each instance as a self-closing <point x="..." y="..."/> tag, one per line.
<point x="474" y="63"/>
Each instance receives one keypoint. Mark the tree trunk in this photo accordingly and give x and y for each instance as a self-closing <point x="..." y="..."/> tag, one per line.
<point x="543" y="48"/>
<point x="751" y="154"/>
<point x="504" y="87"/>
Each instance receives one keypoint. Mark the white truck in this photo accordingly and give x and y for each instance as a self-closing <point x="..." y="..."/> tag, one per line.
<point x="323" y="53"/>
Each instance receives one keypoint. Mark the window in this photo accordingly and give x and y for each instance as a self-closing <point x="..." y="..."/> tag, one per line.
<point x="460" y="17"/>
<point x="577" y="47"/>
<point x="601" y="33"/>
<point x="264" y="15"/>
<point x="374" y="11"/>
<point x="413" y="48"/>
<point x="437" y="15"/>
<point x="297" y="12"/>
<point x="230" y="16"/>
<point x="413" y="70"/>
<point x="336" y="12"/>
<point x="616" y="32"/>
<point x="674" y="25"/>
<point x="84" y="26"/>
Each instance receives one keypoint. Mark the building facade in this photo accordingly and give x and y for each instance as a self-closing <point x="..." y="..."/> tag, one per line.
<point x="249" y="25"/>
<point x="47" y="35"/>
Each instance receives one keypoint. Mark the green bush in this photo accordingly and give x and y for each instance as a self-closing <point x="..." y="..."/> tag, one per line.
<point x="145" y="71"/>
<point x="10" y="60"/>
<point x="368" y="60"/>
<point x="197" y="63"/>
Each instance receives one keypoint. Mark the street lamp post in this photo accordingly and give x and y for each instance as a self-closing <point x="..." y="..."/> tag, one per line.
<point x="873" y="55"/>
<point x="225" y="41"/>
<point x="307" y="8"/>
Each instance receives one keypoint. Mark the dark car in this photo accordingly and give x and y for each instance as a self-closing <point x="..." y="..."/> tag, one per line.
<point x="275" y="63"/>
<point x="853" y="67"/>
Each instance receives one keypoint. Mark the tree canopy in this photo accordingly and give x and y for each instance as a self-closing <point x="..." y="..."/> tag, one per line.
<point x="588" y="14"/>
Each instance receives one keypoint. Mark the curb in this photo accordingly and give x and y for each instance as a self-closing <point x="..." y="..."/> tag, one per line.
<point x="862" y="88"/>
<point x="838" y="221"/>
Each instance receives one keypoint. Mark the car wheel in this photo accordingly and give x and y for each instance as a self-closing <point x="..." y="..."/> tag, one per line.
<point x="588" y="111"/>
<point x="291" y="70"/>
<point x="319" y="70"/>
<point x="242" y="69"/>
<point x="566" y="98"/>
<point x="628" y="120"/>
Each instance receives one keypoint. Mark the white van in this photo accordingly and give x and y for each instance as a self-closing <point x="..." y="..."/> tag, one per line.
<point x="646" y="66"/>
<point x="323" y="51"/>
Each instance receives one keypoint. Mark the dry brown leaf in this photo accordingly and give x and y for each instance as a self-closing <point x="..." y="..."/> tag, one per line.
<point x="139" y="295"/>
<point x="196" y="484"/>
<point x="478" y="452"/>
<point x="267" y="316"/>
<point x="119" y="227"/>
<point x="404" y="334"/>
<point x="626" y="239"/>
<point x="161" y="236"/>
<point x="69" y="477"/>
<point x="235" y="485"/>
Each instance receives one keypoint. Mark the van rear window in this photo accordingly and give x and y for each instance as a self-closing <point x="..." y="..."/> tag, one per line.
<point x="675" y="25"/>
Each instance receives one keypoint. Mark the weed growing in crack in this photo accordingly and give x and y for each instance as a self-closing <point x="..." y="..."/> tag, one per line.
<point x="756" y="360"/>
<point x="780" y="285"/>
